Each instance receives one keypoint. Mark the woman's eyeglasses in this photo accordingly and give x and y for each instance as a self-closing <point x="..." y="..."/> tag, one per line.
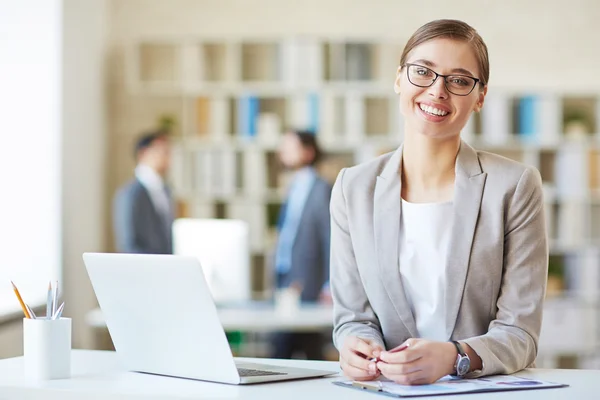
<point x="460" y="85"/>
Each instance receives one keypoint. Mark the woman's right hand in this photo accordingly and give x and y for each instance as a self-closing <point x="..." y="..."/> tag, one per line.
<point x="355" y="358"/>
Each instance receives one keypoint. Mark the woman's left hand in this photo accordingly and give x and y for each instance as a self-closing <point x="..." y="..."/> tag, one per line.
<point x="423" y="362"/>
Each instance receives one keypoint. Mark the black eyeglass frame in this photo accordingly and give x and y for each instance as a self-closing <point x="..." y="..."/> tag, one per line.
<point x="477" y="80"/>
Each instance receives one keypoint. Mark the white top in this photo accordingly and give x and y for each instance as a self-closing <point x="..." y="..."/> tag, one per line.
<point x="424" y="237"/>
<point x="155" y="186"/>
<point x="100" y="375"/>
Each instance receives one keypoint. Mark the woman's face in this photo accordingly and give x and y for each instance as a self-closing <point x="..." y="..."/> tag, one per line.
<point x="434" y="111"/>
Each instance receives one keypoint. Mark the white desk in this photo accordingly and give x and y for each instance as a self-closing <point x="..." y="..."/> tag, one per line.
<point x="308" y="318"/>
<point x="98" y="375"/>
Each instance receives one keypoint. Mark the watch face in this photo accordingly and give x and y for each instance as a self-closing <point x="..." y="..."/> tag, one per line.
<point x="463" y="365"/>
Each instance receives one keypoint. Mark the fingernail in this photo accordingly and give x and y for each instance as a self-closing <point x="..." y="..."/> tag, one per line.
<point x="372" y="368"/>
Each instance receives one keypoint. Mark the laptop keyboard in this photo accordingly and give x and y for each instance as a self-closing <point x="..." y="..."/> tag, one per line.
<point x="245" y="372"/>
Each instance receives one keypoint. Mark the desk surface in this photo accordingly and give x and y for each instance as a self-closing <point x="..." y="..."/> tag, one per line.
<point x="260" y="318"/>
<point x="98" y="375"/>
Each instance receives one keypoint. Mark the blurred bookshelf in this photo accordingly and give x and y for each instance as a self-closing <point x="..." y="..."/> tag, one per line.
<point x="233" y="98"/>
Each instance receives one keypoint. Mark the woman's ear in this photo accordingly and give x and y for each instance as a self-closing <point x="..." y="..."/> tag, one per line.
<point x="481" y="98"/>
<point x="398" y="80"/>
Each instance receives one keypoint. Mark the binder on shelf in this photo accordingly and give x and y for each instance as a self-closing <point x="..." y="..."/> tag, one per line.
<point x="571" y="224"/>
<point x="202" y="209"/>
<point x="354" y="118"/>
<point x="255" y="174"/>
<point x="304" y="111"/>
<point x="495" y="119"/>
<point x="335" y="61"/>
<point x="226" y="179"/>
<point x="468" y="132"/>
<point x="268" y="128"/>
<point x="178" y="172"/>
<point x="332" y="122"/>
<point x="377" y="116"/>
<point x="301" y="62"/>
<point x="358" y="62"/>
<point x="248" y="108"/>
<point x="549" y="119"/>
<point x="219" y="118"/>
<point x="527" y="116"/>
<point x="571" y="171"/>
<point x="203" y="116"/>
<point x="313" y="112"/>
<point x="255" y="215"/>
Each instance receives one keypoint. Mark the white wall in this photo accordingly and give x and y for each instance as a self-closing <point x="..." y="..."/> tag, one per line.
<point x="530" y="41"/>
<point x="84" y="152"/>
<point x="83" y="162"/>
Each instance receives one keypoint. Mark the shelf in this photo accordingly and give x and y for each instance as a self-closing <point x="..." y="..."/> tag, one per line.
<point x="232" y="100"/>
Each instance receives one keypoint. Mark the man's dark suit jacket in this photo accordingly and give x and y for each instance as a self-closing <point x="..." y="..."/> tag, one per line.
<point x="310" y="252"/>
<point x="139" y="227"/>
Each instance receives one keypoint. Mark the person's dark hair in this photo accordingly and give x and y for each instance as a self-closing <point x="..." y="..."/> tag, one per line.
<point x="147" y="139"/>
<point x="308" y="140"/>
<point x="452" y="29"/>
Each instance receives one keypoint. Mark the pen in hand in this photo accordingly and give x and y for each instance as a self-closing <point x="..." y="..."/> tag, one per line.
<point x="394" y="350"/>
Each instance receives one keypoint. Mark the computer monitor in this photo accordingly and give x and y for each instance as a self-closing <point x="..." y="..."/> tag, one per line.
<point x="222" y="246"/>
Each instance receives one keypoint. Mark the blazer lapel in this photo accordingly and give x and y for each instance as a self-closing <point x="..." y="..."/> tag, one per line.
<point x="386" y="220"/>
<point x="468" y="191"/>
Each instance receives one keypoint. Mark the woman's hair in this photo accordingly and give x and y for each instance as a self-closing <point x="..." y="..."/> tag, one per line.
<point x="451" y="29"/>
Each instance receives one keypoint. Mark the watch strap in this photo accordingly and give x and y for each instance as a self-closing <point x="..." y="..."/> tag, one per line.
<point x="459" y="348"/>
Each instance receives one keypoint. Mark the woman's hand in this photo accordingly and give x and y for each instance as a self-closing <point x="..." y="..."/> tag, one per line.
<point x="422" y="362"/>
<point x="355" y="358"/>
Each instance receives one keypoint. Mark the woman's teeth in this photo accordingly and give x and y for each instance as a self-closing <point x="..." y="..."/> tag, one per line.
<point x="432" y="110"/>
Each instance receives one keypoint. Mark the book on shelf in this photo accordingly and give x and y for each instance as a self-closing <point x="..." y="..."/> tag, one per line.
<point x="254" y="173"/>
<point x="495" y="120"/>
<point x="254" y="214"/>
<point x="300" y="62"/>
<point x="354" y="118"/>
<point x="304" y="111"/>
<point x="248" y="109"/>
<point x="358" y="62"/>
<point x="582" y="273"/>
<point x="212" y="118"/>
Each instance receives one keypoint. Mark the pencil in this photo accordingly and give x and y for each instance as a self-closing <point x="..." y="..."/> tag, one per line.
<point x="27" y="315"/>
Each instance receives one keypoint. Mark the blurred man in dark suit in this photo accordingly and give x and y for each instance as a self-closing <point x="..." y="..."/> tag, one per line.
<point x="302" y="252"/>
<point x="143" y="208"/>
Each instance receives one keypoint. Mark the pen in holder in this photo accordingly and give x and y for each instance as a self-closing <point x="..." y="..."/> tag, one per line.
<point x="47" y="348"/>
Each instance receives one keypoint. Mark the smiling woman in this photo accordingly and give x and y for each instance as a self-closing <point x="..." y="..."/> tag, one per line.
<point x="30" y="217"/>
<point x="437" y="246"/>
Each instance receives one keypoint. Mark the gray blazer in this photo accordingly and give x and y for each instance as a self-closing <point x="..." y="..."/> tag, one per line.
<point x="497" y="265"/>
<point x="138" y="227"/>
<point x="310" y="252"/>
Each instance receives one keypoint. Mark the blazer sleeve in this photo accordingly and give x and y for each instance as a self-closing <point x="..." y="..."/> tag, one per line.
<point x="353" y="315"/>
<point x="511" y="342"/>
<point x="125" y="222"/>
<point x="325" y="232"/>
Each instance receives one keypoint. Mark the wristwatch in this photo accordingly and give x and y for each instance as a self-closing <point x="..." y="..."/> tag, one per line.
<point x="463" y="362"/>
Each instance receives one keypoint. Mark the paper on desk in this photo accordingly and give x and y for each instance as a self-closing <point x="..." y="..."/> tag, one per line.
<point x="453" y="385"/>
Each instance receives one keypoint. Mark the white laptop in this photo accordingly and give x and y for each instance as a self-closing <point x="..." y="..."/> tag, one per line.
<point x="162" y="320"/>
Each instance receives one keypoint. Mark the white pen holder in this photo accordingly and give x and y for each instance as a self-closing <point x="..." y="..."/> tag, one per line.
<point x="47" y="348"/>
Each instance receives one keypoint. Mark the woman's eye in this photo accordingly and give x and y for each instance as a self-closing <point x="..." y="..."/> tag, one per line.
<point x="459" y="81"/>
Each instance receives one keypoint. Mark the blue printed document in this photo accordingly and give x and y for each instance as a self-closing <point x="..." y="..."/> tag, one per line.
<point x="450" y="385"/>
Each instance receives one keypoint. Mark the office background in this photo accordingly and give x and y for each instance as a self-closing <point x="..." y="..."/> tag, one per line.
<point x="540" y="49"/>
